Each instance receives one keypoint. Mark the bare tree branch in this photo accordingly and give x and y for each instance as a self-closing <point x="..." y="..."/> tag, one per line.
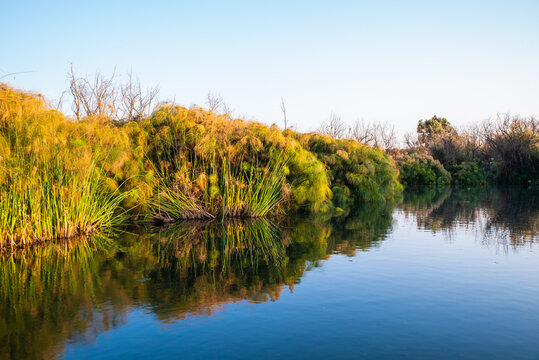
<point x="283" y="109"/>
<point x="104" y="98"/>
<point x="335" y="127"/>
<point x="214" y="102"/>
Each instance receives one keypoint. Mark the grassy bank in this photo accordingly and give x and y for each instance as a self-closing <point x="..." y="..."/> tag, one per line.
<point x="61" y="177"/>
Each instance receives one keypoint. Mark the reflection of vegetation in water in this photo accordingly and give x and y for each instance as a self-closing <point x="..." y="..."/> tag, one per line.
<point x="201" y="266"/>
<point x="200" y="247"/>
<point x="77" y="290"/>
<point x="47" y="295"/>
<point x="363" y="229"/>
<point x="423" y="198"/>
<point x="514" y="213"/>
<point x="422" y="201"/>
<point x="500" y="214"/>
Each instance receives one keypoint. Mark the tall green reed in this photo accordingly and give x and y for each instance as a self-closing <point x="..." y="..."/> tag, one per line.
<point x="219" y="189"/>
<point x="41" y="200"/>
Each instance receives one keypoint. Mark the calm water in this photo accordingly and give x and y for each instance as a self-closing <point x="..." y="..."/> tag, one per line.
<point x="442" y="275"/>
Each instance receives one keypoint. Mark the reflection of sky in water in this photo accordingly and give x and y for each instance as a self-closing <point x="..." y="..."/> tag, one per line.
<point x="447" y="277"/>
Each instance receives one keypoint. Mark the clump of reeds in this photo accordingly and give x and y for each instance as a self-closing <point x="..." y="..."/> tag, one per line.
<point x="42" y="201"/>
<point x="220" y="191"/>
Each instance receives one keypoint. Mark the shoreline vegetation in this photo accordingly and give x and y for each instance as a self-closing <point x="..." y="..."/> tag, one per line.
<point x="121" y="159"/>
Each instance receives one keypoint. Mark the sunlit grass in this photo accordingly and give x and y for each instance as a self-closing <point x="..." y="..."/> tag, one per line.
<point x="42" y="201"/>
<point x="220" y="192"/>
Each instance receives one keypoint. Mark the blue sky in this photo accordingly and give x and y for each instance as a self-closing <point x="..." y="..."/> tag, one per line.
<point x="385" y="61"/>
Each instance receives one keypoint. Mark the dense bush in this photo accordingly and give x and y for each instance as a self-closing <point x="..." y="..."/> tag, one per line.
<point x="417" y="169"/>
<point x="358" y="173"/>
<point x="512" y="143"/>
<point x="468" y="173"/>
<point x="504" y="150"/>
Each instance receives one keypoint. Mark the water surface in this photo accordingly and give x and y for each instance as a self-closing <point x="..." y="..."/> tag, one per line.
<point x="446" y="274"/>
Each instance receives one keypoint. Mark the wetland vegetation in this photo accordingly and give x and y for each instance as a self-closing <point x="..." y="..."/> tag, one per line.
<point x="62" y="177"/>
<point x="180" y="211"/>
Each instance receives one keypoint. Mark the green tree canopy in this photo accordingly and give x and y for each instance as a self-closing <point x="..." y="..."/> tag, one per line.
<point x="427" y="129"/>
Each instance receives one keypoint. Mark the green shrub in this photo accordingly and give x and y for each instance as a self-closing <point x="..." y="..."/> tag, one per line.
<point x="468" y="173"/>
<point x="366" y="173"/>
<point x="418" y="169"/>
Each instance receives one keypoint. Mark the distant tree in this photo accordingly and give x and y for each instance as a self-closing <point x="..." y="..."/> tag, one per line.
<point x="387" y="135"/>
<point x="93" y="98"/>
<point x="217" y="104"/>
<point x="104" y="97"/>
<point x="214" y="102"/>
<point x="363" y="132"/>
<point x="432" y="128"/>
<point x="135" y="103"/>
<point x="513" y="143"/>
<point x="411" y="140"/>
<point x="382" y="135"/>
<point x="335" y="127"/>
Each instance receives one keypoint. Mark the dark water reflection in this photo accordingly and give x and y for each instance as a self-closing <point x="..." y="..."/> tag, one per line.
<point x="66" y="300"/>
<point x="501" y="216"/>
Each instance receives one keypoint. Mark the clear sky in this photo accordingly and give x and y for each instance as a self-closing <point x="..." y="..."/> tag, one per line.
<point x="386" y="61"/>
